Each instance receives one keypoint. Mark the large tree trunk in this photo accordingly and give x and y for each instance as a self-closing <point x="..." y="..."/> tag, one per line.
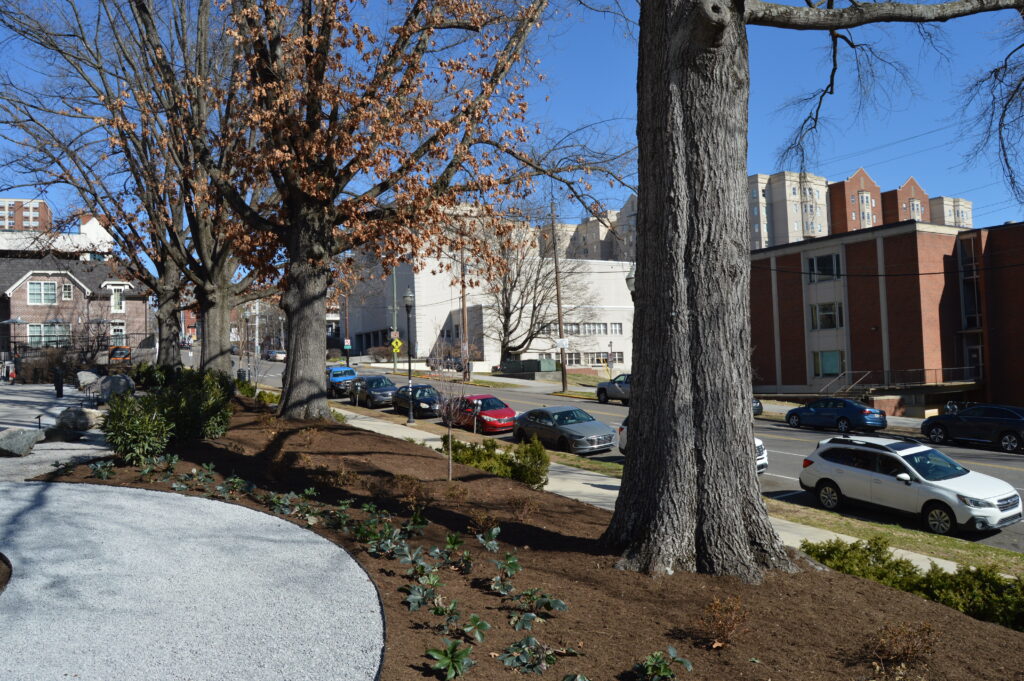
<point x="304" y="301"/>
<point x="168" y="321"/>
<point x="690" y="497"/>
<point x="215" y="308"/>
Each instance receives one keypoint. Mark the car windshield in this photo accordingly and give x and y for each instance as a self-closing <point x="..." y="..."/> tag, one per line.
<point x="378" y="382"/>
<point x="120" y="353"/>
<point x="931" y="464"/>
<point x="491" y="403"/>
<point x="425" y="393"/>
<point x="570" y="417"/>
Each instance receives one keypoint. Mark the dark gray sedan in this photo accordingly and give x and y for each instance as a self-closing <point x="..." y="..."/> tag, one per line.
<point x="567" y="428"/>
<point x="373" y="391"/>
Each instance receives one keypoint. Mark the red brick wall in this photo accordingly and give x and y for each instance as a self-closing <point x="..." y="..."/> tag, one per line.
<point x="896" y="203"/>
<point x="864" y="315"/>
<point x="762" y="333"/>
<point x="903" y="298"/>
<point x="940" y="301"/>
<point x="791" y="319"/>
<point x="840" y="207"/>
<point x="1003" y="321"/>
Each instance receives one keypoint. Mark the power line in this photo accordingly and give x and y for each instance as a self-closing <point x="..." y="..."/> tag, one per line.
<point x="876" y="275"/>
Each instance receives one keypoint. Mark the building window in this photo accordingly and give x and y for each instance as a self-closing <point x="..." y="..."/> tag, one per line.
<point x="48" y="335"/>
<point x="594" y="329"/>
<point x="571" y="329"/>
<point x="826" y="316"/>
<point x="823" y="268"/>
<point x="618" y="358"/>
<point x="616" y="328"/>
<point x="595" y="358"/>
<point x="572" y="359"/>
<point x="117" y="300"/>
<point x="42" y="293"/>
<point x="793" y="190"/>
<point x="65" y="292"/>
<point x="829" y="363"/>
<point x="117" y="334"/>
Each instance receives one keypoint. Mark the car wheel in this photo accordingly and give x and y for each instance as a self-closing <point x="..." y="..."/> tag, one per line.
<point x="625" y="403"/>
<point x="843" y="425"/>
<point x="937" y="434"/>
<point x="564" y="445"/>
<point x="602" y="397"/>
<point x="793" y="420"/>
<point x="829" y="495"/>
<point x="938" y="519"/>
<point x="517" y="436"/>
<point x="353" y="401"/>
<point x="1009" y="442"/>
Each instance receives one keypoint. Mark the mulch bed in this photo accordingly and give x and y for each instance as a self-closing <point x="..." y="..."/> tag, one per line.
<point x="5" y="572"/>
<point x="810" y="625"/>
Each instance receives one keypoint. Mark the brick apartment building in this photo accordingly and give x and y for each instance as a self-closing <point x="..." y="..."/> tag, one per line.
<point x="907" y="315"/>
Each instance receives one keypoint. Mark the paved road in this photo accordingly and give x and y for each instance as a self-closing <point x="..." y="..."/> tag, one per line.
<point x="787" y="448"/>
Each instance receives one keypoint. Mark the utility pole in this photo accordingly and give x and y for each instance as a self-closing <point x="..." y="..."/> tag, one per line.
<point x="346" y="341"/>
<point x="464" y="340"/>
<point x="558" y="298"/>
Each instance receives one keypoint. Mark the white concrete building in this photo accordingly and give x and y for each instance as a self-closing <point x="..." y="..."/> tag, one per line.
<point x="951" y="211"/>
<point x="601" y="326"/>
<point x="786" y="207"/>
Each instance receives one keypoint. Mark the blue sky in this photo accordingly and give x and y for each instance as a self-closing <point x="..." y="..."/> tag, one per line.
<point x="591" y="74"/>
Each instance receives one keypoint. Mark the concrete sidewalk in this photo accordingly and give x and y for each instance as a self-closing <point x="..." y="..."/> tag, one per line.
<point x="601" y="490"/>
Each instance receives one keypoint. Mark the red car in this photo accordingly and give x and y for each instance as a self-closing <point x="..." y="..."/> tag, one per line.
<point x="491" y="414"/>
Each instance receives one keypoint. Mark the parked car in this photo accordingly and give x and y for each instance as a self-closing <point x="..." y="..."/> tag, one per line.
<point x="339" y="379"/>
<point x="426" y="401"/>
<point x="615" y="389"/>
<point x="567" y="428"/>
<point x="490" y="414"/>
<point x="908" y="476"/>
<point x="992" y="424"/>
<point x="373" y="391"/>
<point x="275" y="355"/>
<point x="836" y="412"/>
<point x="760" y="452"/>
<point x="758" y="407"/>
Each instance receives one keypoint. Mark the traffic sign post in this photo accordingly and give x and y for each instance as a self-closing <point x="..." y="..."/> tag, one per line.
<point x="396" y="346"/>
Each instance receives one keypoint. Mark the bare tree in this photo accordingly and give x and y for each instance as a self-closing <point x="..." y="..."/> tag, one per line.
<point x="689" y="498"/>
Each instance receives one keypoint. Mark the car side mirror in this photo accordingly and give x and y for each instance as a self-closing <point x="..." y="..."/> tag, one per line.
<point x="903" y="477"/>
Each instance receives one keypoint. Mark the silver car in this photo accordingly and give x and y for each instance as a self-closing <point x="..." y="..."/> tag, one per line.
<point x="567" y="428"/>
<point x="615" y="389"/>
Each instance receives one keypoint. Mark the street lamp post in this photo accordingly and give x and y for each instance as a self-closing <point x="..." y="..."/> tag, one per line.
<point x="631" y="281"/>
<point x="409" y="299"/>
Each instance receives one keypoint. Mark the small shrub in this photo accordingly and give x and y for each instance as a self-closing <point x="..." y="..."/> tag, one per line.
<point x="136" y="428"/>
<point x="456" y="494"/>
<point x="265" y="399"/>
<point x="104" y="470"/>
<point x="527" y="462"/>
<point x="476" y="628"/>
<point x="243" y="387"/>
<point x="198" y="404"/>
<point x="339" y="417"/>
<point x="722" y="621"/>
<point x="897" y="648"/>
<point x="531" y="463"/>
<point x="530" y="656"/>
<point x="523" y="507"/>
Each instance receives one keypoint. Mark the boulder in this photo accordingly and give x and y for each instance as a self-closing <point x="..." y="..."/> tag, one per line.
<point x="79" y="418"/>
<point x="19" y="441"/>
<point x="86" y="378"/>
<point x="59" y="433"/>
<point x="117" y="384"/>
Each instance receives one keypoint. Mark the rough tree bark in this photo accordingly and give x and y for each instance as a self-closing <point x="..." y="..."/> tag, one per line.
<point x="215" y="311"/>
<point x="168" y="322"/>
<point x="304" y="302"/>
<point x="689" y="498"/>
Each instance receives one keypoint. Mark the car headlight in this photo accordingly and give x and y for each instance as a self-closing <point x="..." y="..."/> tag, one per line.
<point x="488" y="418"/>
<point x="974" y="503"/>
<point x="424" y="405"/>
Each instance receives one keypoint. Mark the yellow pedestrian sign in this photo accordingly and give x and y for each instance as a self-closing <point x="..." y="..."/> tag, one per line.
<point x="396" y="346"/>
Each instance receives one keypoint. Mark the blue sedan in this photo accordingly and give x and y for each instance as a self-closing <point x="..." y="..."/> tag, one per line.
<point x="835" y="412"/>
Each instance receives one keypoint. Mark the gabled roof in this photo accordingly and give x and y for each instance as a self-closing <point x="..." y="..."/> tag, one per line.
<point x="89" y="274"/>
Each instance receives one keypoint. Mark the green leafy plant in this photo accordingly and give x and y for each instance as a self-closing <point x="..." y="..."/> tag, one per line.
<point x="62" y="468"/>
<point x="418" y="596"/>
<point x="451" y="659"/>
<point x="136" y="428"/>
<point x="476" y="628"/>
<point x="980" y="592"/>
<point x="104" y="470"/>
<point x="527" y="462"/>
<point x="265" y="399"/>
<point x="450" y="613"/>
<point x="489" y="539"/>
<point x="658" y="665"/>
<point x="247" y="388"/>
<point x="197" y="403"/>
<point x="530" y="656"/>
<point x="528" y="607"/>
<point x="530" y="463"/>
<point x="574" y="677"/>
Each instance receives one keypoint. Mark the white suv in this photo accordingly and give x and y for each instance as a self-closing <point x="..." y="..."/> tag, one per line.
<point x="908" y="476"/>
<point x="760" y="453"/>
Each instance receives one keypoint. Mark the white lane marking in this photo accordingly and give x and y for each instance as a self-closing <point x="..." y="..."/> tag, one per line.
<point x="784" y="477"/>
<point x="779" y="451"/>
<point x="787" y="494"/>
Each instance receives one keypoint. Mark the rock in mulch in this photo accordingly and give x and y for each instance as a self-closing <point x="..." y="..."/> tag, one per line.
<point x="79" y="418"/>
<point x="19" y="441"/>
<point x="115" y="385"/>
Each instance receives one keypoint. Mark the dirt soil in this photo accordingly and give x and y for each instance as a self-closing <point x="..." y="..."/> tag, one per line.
<point x="811" y="625"/>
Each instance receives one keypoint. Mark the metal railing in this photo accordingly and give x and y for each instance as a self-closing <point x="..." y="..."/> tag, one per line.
<point x="850" y="382"/>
